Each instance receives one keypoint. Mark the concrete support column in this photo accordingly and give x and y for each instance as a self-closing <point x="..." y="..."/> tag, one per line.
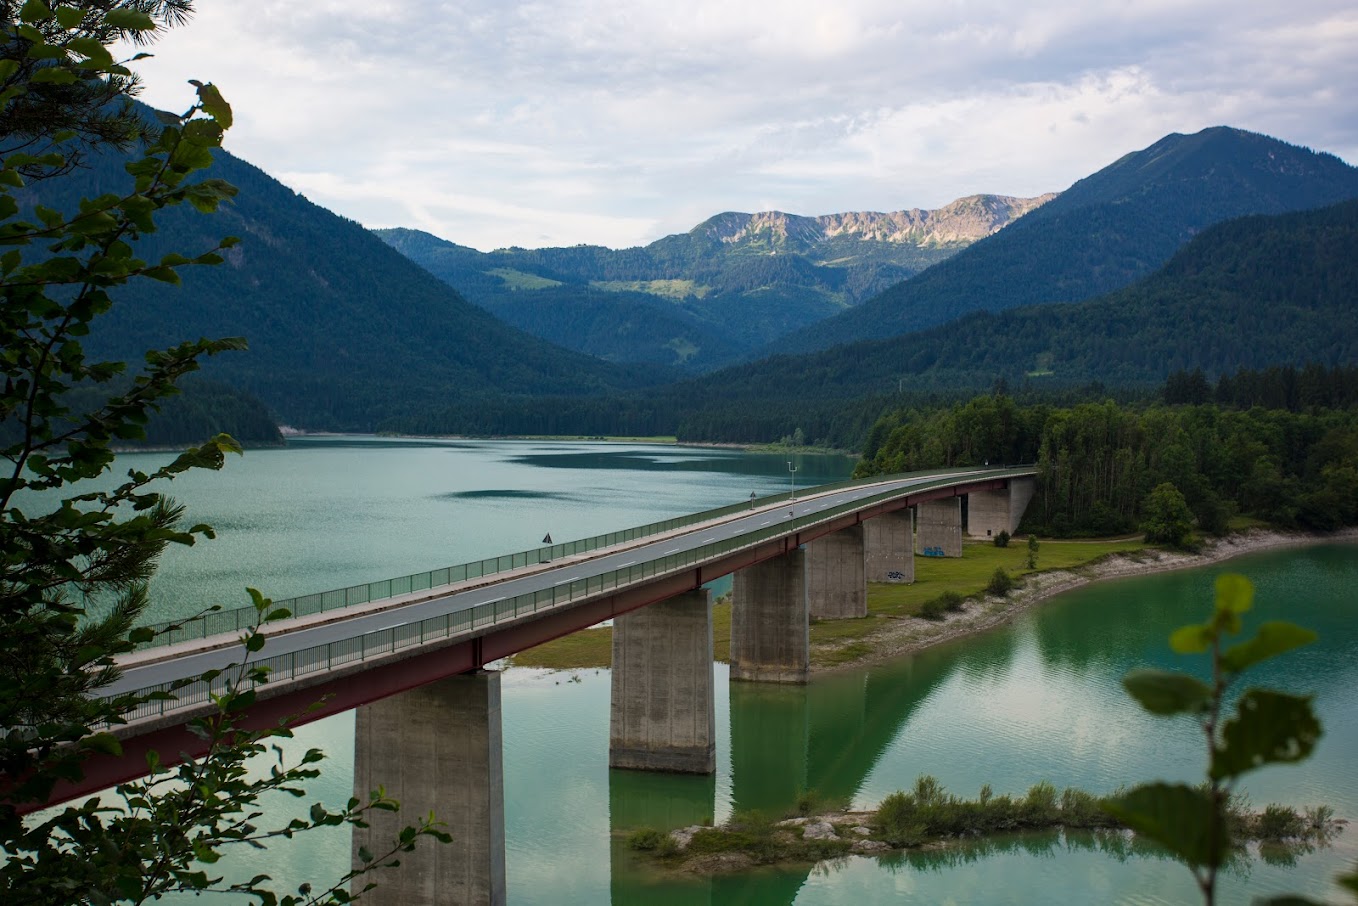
<point x="662" y="712"/>
<point x="987" y="513"/>
<point x="888" y="547"/>
<point x="436" y="748"/>
<point x="836" y="584"/>
<point x="769" y="626"/>
<point x="990" y="512"/>
<point x="938" y="530"/>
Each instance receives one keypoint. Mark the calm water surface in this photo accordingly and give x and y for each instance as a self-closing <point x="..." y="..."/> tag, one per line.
<point x="1038" y="700"/>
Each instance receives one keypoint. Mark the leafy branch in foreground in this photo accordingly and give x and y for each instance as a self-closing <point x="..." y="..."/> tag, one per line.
<point x="1268" y="727"/>
<point x="182" y="820"/>
<point x="76" y="554"/>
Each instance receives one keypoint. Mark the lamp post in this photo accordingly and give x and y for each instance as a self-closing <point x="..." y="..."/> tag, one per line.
<point x="752" y="500"/>
<point x="792" y="480"/>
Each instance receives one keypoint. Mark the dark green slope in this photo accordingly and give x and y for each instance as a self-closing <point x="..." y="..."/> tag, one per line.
<point x="1252" y="292"/>
<point x="343" y="330"/>
<point x="690" y="300"/>
<point x="1102" y="233"/>
<point x="614" y="326"/>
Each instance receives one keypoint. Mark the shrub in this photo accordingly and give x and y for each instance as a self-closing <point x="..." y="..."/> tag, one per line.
<point x="1278" y="822"/>
<point x="897" y="822"/>
<point x="1319" y="817"/>
<point x="951" y="601"/>
<point x="809" y="802"/>
<point x="1081" y="809"/>
<point x="931" y="609"/>
<point x="647" y="839"/>
<point x="1002" y="539"/>
<point x="1039" y="806"/>
<point x="1001" y="583"/>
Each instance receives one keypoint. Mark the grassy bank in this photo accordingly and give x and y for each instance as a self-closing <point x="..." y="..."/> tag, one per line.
<point x="843" y="641"/>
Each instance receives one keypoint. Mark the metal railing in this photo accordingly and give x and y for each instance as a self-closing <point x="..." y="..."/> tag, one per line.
<point x="386" y="641"/>
<point x="170" y="632"/>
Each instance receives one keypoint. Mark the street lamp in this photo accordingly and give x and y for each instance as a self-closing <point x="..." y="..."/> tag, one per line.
<point x="792" y="479"/>
<point x="752" y="500"/>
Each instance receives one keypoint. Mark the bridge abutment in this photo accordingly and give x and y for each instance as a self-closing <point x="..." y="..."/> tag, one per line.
<point x="769" y="621"/>
<point x="663" y="718"/>
<point x="836" y="583"/>
<point x="889" y="546"/>
<point x="436" y="747"/>
<point x="939" y="529"/>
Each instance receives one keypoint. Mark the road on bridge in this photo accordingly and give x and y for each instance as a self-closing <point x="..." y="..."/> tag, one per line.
<point x="191" y="659"/>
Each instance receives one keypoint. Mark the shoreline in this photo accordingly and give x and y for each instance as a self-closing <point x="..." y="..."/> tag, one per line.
<point x="911" y="635"/>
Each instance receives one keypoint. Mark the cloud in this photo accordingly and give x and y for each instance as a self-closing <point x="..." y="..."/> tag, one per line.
<point x="617" y="121"/>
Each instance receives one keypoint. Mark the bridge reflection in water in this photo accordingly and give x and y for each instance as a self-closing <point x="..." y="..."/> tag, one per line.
<point x="786" y="741"/>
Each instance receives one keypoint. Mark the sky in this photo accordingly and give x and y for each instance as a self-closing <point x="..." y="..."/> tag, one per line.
<point x="493" y="123"/>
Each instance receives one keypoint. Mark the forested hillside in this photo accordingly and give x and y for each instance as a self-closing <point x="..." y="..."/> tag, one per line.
<point x="1102" y="233"/>
<point x="707" y="297"/>
<point x="1098" y="462"/>
<point x="1251" y="292"/>
<point x="343" y="330"/>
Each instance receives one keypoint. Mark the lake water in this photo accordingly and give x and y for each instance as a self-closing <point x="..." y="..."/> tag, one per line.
<point x="1038" y="700"/>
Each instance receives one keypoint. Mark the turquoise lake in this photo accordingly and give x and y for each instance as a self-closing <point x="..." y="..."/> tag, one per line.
<point x="1036" y="700"/>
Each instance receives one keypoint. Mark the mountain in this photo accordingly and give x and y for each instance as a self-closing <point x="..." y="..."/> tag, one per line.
<point x="1252" y="292"/>
<point x="343" y="330"/>
<point x="1102" y="233"/>
<point x="700" y="299"/>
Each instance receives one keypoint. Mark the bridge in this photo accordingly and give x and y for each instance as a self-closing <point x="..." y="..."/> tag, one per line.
<point x="421" y="643"/>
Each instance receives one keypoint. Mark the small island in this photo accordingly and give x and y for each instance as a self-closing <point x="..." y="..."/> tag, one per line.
<point x="930" y="817"/>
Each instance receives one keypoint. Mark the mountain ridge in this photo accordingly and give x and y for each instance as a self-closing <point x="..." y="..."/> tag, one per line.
<point x="1105" y="231"/>
<point x="960" y="222"/>
<point x="343" y="330"/>
<point x="701" y="299"/>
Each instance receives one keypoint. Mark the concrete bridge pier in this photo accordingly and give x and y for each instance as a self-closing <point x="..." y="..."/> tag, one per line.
<point x="436" y="747"/>
<point x="662" y="716"/>
<point x="836" y="584"/>
<point x="939" y="528"/>
<point x="769" y="621"/>
<point x="888" y="547"/>
<point x="991" y="512"/>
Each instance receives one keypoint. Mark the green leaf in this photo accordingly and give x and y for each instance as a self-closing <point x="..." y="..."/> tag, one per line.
<point x="254" y="642"/>
<point x="34" y="11"/>
<point x="1273" y="638"/>
<point x="1235" y="593"/>
<point x="1194" y="639"/>
<point x="163" y="274"/>
<point x="53" y="75"/>
<point x="214" y="105"/>
<point x="129" y="20"/>
<point x="1164" y="692"/>
<point x="1178" y="817"/>
<point x="1269" y="728"/>
<point x="105" y="744"/>
<point x="69" y="16"/>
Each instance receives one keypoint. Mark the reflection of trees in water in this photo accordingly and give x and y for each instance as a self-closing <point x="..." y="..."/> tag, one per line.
<point x="986" y="657"/>
<point x="1118" y="845"/>
<point x="825" y="737"/>
<point x="1102" y="627"/>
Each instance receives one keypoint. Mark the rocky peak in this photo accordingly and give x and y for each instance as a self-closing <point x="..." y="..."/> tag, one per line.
<point x="960" y="222"/>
